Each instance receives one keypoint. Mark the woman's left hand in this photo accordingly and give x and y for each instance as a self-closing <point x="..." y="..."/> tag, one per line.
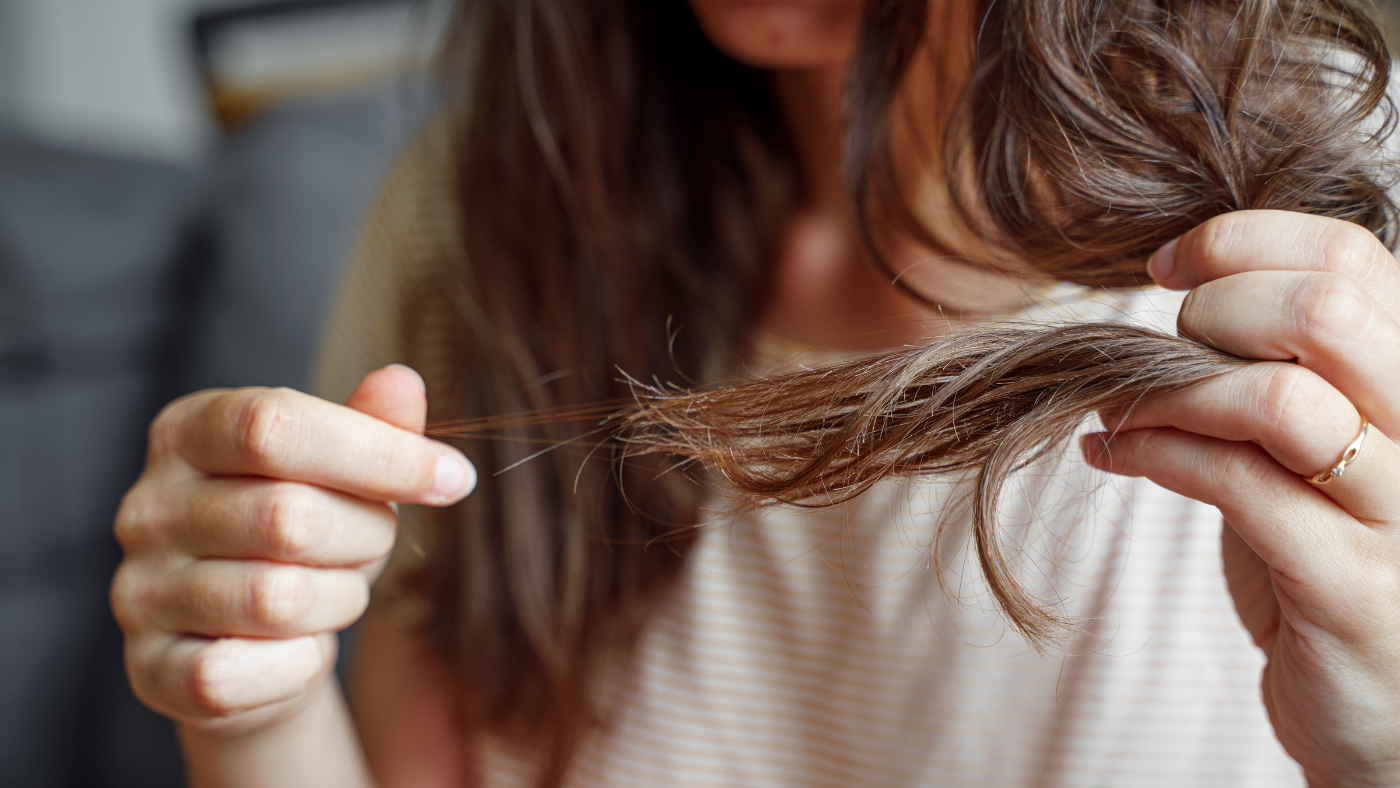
<point x="1314" y="569"/>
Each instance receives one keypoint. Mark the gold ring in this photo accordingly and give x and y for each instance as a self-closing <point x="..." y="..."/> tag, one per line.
<point x="1348" y="457"/>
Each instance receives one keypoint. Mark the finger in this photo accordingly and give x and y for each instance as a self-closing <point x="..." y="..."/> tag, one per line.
<point x="395" y="394"/>
<point x="1253" y="491"/>
<point x="1242" y="241"/>
<point x="284" y="434"/>
<point x="281" y="521"/>
<point x="257" y="599"/>
<point x="1325" y="321"/>
<point x="1298" y="418"/>
<point x="1251" y="587"/>
<point x="199" y="678"/>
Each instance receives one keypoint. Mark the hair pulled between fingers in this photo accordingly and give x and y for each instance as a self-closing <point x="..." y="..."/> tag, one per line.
<point x="982" y="403"/>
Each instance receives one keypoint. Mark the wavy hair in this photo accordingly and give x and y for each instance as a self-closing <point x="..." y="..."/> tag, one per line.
<point x="622" y="188"/>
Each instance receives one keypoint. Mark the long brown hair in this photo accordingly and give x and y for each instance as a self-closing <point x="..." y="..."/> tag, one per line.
<point x="622" y="187"/>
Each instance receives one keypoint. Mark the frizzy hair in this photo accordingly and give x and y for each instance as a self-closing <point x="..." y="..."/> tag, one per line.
<point x="622" y="186"/>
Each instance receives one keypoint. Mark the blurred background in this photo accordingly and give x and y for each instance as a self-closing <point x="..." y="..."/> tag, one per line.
<point x="180" y="185"/>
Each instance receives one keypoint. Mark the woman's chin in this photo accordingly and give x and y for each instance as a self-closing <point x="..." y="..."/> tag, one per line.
<point x="782" y="34"/>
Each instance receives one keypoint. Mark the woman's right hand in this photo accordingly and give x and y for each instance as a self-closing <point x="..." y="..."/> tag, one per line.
<point x="255" y="533"/>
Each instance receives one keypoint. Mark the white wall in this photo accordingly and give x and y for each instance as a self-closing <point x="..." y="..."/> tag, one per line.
<point x="105" y="75"/>
<point x="117" y="76"/>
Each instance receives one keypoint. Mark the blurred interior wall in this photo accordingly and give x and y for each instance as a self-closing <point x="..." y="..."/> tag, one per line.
<point x="117" y="77"/>
<point x="9" y="61"/>
<point x="105" y="76"/>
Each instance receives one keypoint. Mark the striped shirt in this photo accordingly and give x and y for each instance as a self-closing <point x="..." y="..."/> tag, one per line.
<point x="829" y="648"/>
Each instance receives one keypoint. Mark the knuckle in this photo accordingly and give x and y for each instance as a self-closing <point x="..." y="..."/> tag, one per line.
<point x="170" y="423"/>
<point x="164" y="432"/>
<point x="1215" y="239"/>
<point x="209" y="674"/>
<point x="163" y="435"/>
<point x="1330" y="307"/>
<point x="1346" y="246"/>
<point x="1288" y="398"/>
<point x="160" y="689"/>
<point x="129" y="596"/>
<point x="265" y="427"/>
<point x="1241" y="468"/>
<point x="141" y="675"/>
<point x="135" y="523"/>
<point x="288" y="517"/>
<point x="279" y="597"/>
<point x="1198" y="308"/>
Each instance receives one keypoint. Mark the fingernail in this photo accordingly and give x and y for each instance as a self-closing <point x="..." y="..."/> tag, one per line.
<point x="1163" y="261"/>
<point x="406" y="368"/>
<point x="453" y="478"/>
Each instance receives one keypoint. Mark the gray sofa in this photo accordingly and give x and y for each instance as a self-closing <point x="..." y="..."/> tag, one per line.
<point x="123" y="285"/>
<point x="93" y="290"/>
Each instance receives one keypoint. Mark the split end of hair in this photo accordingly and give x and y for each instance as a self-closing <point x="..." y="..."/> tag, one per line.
<point x="981" y="404"/>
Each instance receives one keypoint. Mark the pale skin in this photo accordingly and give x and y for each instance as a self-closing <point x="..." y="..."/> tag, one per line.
<point x="261" y="521"/>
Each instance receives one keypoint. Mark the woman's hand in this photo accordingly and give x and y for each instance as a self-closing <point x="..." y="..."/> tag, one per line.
<point x="255" y="533"/>
<point x="1314" y="569"/>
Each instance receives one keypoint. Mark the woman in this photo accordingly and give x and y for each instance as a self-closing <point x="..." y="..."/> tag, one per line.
<point x="660" y="189"/>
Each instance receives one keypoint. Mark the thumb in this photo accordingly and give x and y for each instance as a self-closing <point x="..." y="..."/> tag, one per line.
<point x="395" y="394"/>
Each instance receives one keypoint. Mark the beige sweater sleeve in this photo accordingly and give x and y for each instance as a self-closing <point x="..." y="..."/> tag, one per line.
<point x="408" y="232"/>
<point x="408" y="235"/>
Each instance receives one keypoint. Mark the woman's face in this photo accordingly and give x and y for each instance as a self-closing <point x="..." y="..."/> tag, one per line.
<point x="782" y="34"/>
